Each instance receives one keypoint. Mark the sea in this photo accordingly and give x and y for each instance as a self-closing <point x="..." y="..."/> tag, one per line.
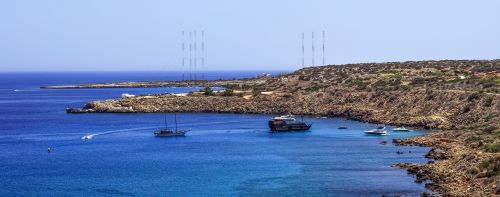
<point x="222" y="155"/>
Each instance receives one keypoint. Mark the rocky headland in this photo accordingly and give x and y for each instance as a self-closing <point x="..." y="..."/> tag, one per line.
<point x="458" y="100"/>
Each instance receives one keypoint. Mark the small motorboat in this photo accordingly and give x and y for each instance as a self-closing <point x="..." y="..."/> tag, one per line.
<point x="401" y="129"/>
<point x="342" y="127"/>
<point x="377" y="131"/>
<point x="87" y="137"/>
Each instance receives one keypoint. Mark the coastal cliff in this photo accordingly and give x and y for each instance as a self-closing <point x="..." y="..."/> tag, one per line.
<point x="460" y="100"/>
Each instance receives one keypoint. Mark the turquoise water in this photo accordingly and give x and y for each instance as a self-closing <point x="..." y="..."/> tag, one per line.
<point x="224" y="154"/>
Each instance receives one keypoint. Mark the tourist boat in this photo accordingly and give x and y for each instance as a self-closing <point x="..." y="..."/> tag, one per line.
<point x="166" y="132"/>
<point x="169" y="133"/>
<point x="377" y="131"/>
<point x="403" y="129"/>
<point x="342" y="127"/>
<point x="287" y="123"/>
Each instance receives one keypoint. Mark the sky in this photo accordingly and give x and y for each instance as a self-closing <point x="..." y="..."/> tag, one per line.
<point x="145" y="35"/>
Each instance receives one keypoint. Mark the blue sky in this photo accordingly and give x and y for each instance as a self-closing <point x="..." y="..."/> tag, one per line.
<point x="123" y="35"/>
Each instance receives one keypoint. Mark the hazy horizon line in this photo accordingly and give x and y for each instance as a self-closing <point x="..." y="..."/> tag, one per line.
<point x="165" y="71"/>
<point x="249" y="70"/>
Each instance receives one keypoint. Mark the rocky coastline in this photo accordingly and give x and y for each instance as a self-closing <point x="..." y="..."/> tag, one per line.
<point x="161" y="84"/>
<point x="459" y="100"/>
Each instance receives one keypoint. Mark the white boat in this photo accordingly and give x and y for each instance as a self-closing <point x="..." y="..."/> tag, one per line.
<point x="377" y="131"/>
<point x="87" y="137"/>
<point x="400" y="129"/>
<point x="127" y="95"/>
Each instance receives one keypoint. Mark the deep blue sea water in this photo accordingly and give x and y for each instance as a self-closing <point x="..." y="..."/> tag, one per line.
<point x="224" y="154"/>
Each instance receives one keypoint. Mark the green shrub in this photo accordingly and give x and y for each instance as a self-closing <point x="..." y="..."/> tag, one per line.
<point x="472" y="139"/>
<point x="404" y="87"/>
<point x="228" y="92"/>
<point x="257" y="90"/>
<point x="473" y="96"/>
<point x="489" y="129"/>
<point x="488" y="101"/>
<point x="492" y="166"/>
<point x="488" y="117"/>
<point x="497" y="134"/>
<point x="208" y="91"/>
<point x="313" y="89"/>
<point x="493" y="147"/>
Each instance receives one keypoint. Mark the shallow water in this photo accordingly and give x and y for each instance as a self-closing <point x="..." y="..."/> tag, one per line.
<point x="224" y="154"/>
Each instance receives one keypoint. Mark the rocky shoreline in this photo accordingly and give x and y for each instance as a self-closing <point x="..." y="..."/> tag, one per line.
<point x="161" y="84"/>
<point x="460" y="99"/>
<point x="455" y="168"/>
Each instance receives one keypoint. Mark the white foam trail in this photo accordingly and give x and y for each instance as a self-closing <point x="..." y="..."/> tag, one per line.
<point x="28" y="90"/>
<point x="90" y="136"/>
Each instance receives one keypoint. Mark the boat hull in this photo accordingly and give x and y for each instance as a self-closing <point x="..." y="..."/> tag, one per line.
<point x="375" y="133"/>
<point x="169" y="133"/>
<point x="287" y="127"/>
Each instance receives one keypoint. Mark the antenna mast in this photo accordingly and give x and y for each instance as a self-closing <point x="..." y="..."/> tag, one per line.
<point x="195" y="57"/>
<point x="190" y="55"/>
<point x="202" y="52"/>
<point x="323" y="47"/>
<point x="303" y="51"/>
<point x="312" y="48"/>
<point x="183" y="55"/>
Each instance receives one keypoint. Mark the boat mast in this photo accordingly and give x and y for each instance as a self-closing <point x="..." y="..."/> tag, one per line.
<point x="175" y="115"/>
<point x="166" y="127"/>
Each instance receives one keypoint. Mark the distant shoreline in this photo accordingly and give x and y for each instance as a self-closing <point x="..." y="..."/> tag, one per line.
<point x="156" y="84"/>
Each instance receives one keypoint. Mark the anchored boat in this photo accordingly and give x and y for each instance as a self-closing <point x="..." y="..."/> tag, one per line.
<point x="402" y="129"/>
<point x="166" y="132"/>
<point x="377" y="131"/>
<point x="287" y="123"/>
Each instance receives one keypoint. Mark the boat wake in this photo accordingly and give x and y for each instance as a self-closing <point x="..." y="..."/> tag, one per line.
<point x="25" y="90"/>
<point x="92" y="135"/>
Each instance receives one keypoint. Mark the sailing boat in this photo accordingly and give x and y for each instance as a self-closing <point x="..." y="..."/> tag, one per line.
<point x="166" y="132"/>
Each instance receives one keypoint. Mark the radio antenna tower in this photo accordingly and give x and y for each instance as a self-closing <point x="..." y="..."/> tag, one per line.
<point x="303" y="51"/>
<point x="195" y="56"/>
<point x="190" y="55"/>
<point x="323" y="47"/>
<point x="183" y="55"/>
<point x="202" y="52"/>
<point x="312" y="48"/>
